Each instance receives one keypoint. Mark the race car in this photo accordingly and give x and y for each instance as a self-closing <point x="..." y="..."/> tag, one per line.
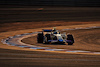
<point x="53" y="36"/>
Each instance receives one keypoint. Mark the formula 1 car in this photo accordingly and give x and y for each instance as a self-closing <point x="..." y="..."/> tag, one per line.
<point x="53" y="36"/>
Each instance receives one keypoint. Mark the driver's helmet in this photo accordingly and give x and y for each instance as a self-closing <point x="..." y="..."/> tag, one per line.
<point x="54" y="28"/>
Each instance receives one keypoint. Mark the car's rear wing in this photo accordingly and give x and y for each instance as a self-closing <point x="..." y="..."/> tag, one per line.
<point x="47" y="30"/>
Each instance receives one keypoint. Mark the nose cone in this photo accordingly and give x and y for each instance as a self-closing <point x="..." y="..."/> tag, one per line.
<point x="60" y="40"/>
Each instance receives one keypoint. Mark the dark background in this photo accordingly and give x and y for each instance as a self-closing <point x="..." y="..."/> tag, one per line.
<point x="91" y="3"/>
<point x="27" y="14"/>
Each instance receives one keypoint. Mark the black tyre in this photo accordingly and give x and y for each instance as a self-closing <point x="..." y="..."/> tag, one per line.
<point x="47" y="38"/>
<point x="70" y="43"/>
<point x="40" y="38"/>
<point x="70" y="37"/>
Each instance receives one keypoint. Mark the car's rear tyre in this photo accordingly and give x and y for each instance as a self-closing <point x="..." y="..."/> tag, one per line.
<point x="47" y="37"/>
<point x="40" y="38"/>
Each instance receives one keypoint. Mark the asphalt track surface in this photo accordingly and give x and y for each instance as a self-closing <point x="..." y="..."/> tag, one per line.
<point x="15" y="58"/>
